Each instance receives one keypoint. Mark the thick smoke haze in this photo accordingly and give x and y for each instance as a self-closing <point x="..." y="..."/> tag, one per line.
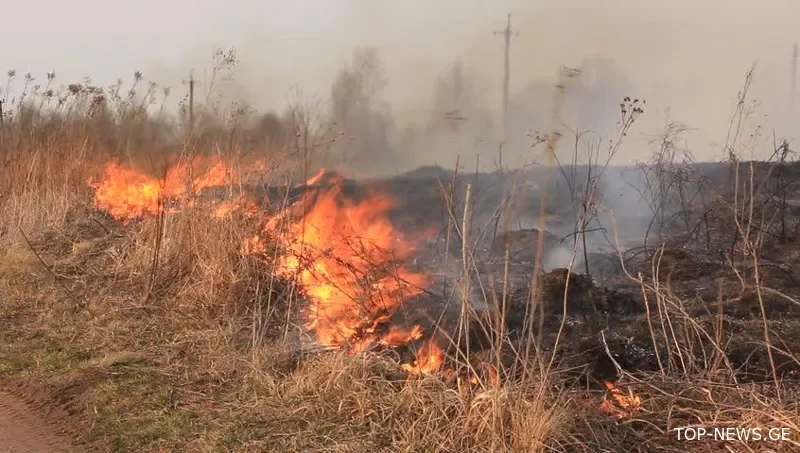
<point x="685" y="57"/>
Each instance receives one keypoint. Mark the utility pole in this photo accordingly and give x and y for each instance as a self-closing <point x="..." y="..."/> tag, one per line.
<point x="507" y="34"/>
<point x="191" y="98"/>
<point x="1" y="123"/>
<point x="793" y="93"/>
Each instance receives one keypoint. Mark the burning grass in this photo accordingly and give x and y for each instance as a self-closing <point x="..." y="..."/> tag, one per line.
<point x="208" y="305"/>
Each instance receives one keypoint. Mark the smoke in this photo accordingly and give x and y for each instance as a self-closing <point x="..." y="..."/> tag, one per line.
<point x="687" y="55"/>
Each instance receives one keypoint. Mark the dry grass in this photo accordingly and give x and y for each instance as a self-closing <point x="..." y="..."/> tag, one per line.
<point x="181" y="343"/>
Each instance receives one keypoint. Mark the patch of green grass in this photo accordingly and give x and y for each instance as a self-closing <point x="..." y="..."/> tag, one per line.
<point x="58" y="358"/>
<point x="138" y="410"/>
<point x="38" y="352"/>
<point x="13" y="364"/>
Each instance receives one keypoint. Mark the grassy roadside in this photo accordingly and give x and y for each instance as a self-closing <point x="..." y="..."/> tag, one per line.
<point x="161" y="336"/>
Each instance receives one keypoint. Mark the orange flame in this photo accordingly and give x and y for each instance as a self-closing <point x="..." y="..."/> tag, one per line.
<point x="430" y="359"/>
<point x="623" y="405"/>
<point x="228" y="208"/>
<point x="317" y="177"/>
<point x="346" y="254"/>
<point x="127" y="194"/>
<point x="398" y="336"/>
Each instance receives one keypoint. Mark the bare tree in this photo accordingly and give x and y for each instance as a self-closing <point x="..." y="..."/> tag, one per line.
<point x="671" y="185"/>
<point x="360" y="114"/>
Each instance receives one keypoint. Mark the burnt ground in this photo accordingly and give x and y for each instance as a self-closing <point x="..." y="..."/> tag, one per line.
<point x="699" y="291"/>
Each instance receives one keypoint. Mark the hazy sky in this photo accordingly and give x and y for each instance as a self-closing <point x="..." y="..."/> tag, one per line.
<point x="688" y="54"/>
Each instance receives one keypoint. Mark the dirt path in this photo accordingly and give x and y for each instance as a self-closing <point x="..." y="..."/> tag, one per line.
<point x="23" y="430"/>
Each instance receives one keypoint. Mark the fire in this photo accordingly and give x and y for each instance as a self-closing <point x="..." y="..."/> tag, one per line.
<point x="316" y="178"/>
<point x="341" y="247"/>
<point x="217" y="175"/>
<point x="237" y="205"/>
<point x="430" y="359"/>
<point x="398" y="336"/>
<point x="623" y="405"/>
<point x="348" y="256"/>
<point x="252" y="245"/>
<point x="127" y="193"/>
